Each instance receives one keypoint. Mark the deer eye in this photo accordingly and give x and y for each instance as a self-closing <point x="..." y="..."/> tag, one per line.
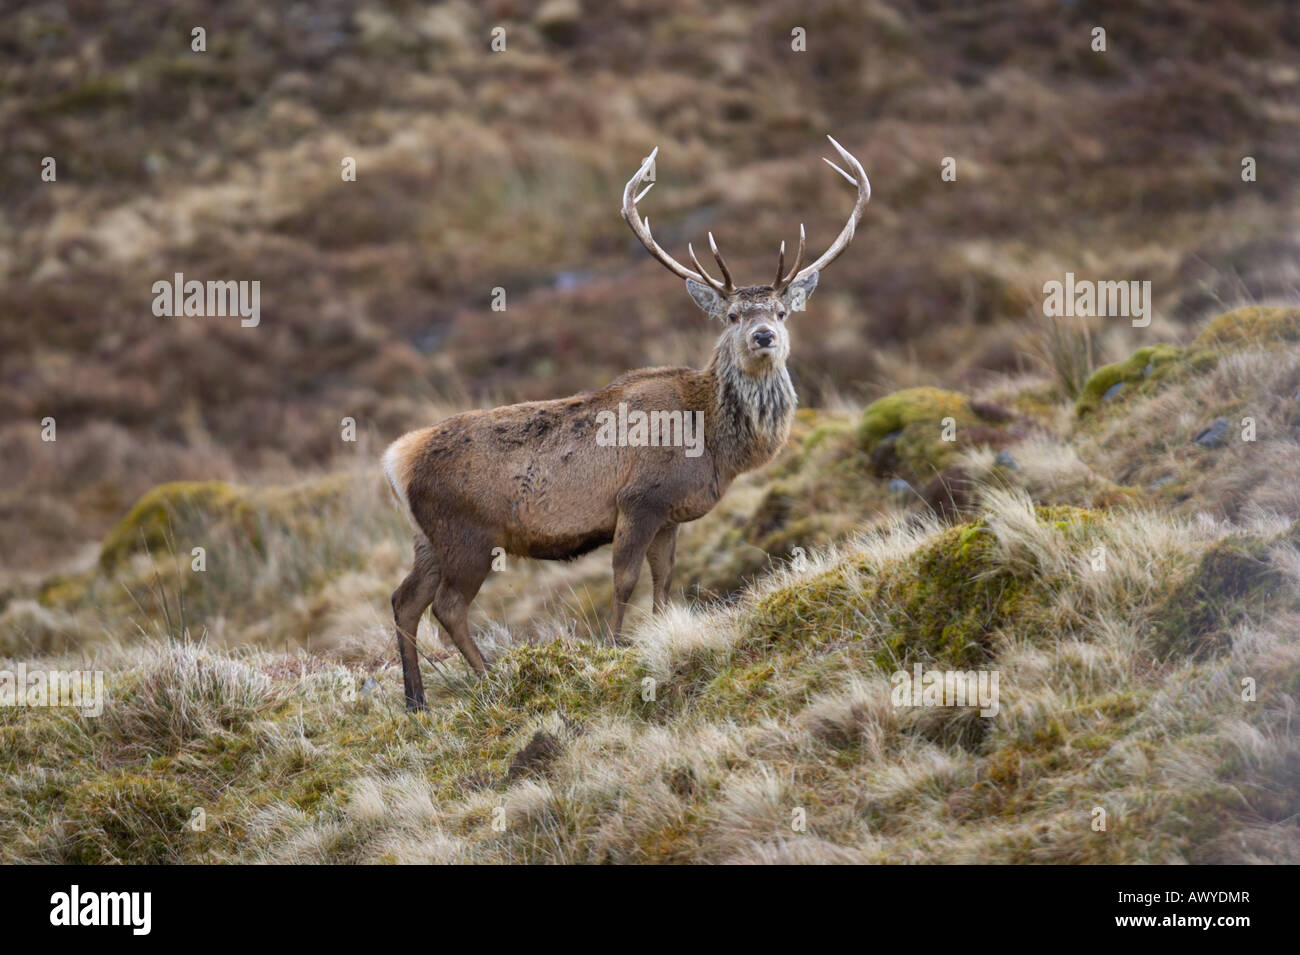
<point x="780" y="315"/>
<point x="733" y="318"/>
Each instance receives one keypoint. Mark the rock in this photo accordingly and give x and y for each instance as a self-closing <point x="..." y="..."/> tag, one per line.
<point x="917" y="432"/>
<point x="1161" y="481"/>
<point x="370" y="686"/>
<point x="884" y="457"/>
<point x="1214" y="435"/>
<point x="1141" y="370"/>
<point x="899" y="486"/>
<point x="1005" y="460"/>
<point x="1251" y="325"/>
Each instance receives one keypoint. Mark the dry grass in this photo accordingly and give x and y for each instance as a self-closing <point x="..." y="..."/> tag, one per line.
<point x="1121" y="624"/>
<point x="265" y="692"/>
<point x="292" y="766"/>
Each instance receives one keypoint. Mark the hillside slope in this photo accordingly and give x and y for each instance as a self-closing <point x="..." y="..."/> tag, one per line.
<point x="479" y="170"/>
<point x="1128" y="567"/>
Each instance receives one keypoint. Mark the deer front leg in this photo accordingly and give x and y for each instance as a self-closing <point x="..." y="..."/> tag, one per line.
<point x="632" y="539"/>
<point x="662" y="556"/>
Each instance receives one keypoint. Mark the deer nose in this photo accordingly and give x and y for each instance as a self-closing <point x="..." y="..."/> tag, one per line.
<point x="764" y="338"/>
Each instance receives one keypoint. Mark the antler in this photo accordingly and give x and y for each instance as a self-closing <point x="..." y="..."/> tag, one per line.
<point x="859" y="179"/>
<point x="783" y="281"/>
<point x="642" y="231"/>
<point x="726" y="287"/>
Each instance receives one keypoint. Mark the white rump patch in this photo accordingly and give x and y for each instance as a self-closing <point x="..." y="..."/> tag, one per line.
<point x="397" y="469"/>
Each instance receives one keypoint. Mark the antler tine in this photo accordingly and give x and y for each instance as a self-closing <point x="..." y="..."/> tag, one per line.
<point x="825" y="160"/>
<point x="721" y="287"/>
<point x="726" y="275"/>
<point x="859" y="179"/>
<point x="642" y="229"/>
<point x="783" y="278"/>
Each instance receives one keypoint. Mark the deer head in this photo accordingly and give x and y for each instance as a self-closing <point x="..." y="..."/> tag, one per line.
<point x="755" y="338"/>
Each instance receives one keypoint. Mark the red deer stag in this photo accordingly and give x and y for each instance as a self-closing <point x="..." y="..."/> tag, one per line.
<point x="552" y="480"/>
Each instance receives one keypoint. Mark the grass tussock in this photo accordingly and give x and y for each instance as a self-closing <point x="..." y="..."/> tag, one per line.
<point x="1143" y="635"/>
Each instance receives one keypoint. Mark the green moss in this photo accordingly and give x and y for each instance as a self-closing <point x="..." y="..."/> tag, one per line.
<point x="1251" y="326"/>
<point x="165" y="509"/>
<point x="64" y="590"/>
<point x="129" y="817"/>
<point x="946" y="602"/>
<point x="182" y="510"/>
<point x="904" y="432"/>
<point x="823" y="432"/>
<point x="744" y="689"/>
<point x="1130" y="373"/>
<point x="942" y="603"/>
<point x="1233" y="579"/>
<point x="827" y="603"/>
<point x="1148" y="368"/>
<point x="897" y="411"/>
<point x="574" y="679"/>
<point x="1067" y="518"/>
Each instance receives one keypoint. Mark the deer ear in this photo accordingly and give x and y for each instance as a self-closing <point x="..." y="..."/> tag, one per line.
<point x="797" y="294"/>
<point x="707" y="298"/>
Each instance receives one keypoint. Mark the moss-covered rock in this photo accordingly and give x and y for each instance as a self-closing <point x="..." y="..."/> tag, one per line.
<point x="1233" y="579"/>
<point x="942" y="604"/>
<point x="1149" y="364"/>
<point x="918" y="432"/>
<point x="153" y="523"/>
<point x="1252" y="325"/>
<point x="570" y="678"/>
<point x="1150" y="367"/>
<point x="945" y="603"/>
<point x="894" y="412"/>
<point x="173" y="514"/>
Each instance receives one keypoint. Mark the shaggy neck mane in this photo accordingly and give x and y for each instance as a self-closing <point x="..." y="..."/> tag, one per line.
<point x="751" y="415"/>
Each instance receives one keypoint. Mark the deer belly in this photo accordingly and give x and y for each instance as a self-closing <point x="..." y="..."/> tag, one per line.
<point x="547" y="527"/>
<point x="562" y="548"/>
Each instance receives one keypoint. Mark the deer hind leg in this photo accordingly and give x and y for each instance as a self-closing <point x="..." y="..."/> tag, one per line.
<point x="662" y="555"/>
<point x="632" y="539"/>
<point x="456" y="591"/>
<point x="410" y="599"/>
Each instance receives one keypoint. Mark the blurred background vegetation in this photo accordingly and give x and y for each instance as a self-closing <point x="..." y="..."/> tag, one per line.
<point x="479" y="169"/>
